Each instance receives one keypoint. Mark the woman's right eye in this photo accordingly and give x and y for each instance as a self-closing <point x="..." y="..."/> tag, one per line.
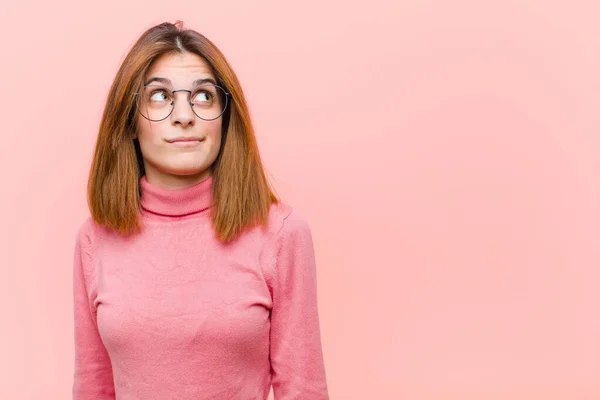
<point x="159" y="95"/>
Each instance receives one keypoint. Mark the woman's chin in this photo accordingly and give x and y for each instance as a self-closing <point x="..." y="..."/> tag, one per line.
<point x="188" y="172"/>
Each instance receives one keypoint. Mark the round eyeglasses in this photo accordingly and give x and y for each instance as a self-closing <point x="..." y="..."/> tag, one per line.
<point x="156" y="102"/>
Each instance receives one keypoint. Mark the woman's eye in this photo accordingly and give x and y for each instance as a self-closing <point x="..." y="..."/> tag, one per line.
<point x="159" y="96"/>
<point x="202" y="97"/>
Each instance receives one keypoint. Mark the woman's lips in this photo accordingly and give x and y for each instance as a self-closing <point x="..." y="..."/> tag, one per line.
<point x="185" y="141"/>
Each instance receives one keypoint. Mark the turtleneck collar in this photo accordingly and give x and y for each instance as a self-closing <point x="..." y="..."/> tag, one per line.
<point x="178" y="202"/>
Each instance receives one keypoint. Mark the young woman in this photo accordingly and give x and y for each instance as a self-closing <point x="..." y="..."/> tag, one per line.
<point x="191" y="279"/>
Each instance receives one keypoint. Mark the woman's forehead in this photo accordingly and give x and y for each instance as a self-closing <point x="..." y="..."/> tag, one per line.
<point x="180" y="68"/>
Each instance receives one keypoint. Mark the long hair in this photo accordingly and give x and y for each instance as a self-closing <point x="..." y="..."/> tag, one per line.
<point x="241" y="194"/>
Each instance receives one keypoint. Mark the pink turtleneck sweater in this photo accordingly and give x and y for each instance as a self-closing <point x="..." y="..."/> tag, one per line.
<point x="172" y="313"/>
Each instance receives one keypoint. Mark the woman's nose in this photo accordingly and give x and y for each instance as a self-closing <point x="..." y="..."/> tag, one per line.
<point x="182" y="109"/>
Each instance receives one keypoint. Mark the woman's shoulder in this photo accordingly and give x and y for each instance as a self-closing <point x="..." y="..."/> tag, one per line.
<point x="85" y="229"/>
<point x="283" y="218"/>
<point x="88" y="231"/>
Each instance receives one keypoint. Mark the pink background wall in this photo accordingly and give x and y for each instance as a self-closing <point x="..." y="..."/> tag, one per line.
<point x="446" y="154"/>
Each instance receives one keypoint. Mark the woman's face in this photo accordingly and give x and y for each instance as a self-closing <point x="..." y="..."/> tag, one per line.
<point x="179" y="150"/>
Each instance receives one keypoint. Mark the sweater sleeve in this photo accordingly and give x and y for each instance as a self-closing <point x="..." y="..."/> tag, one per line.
<point x="93" y="378"/>
<point x="296" y="354"/>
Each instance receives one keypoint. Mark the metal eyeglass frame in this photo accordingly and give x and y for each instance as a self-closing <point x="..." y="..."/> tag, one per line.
<point x="227" y="95"/>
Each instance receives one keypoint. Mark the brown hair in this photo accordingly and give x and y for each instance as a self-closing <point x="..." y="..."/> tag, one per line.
<point x="241" y="194"/>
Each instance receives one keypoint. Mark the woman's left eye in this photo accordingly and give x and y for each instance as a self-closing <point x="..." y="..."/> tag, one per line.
<point x="202" y="97"/>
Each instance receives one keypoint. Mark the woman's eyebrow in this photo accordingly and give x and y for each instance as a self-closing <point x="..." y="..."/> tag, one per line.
<point x="168" y="82"/>
<point x="157" y="79"/>
<point x="203" y="80"/>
